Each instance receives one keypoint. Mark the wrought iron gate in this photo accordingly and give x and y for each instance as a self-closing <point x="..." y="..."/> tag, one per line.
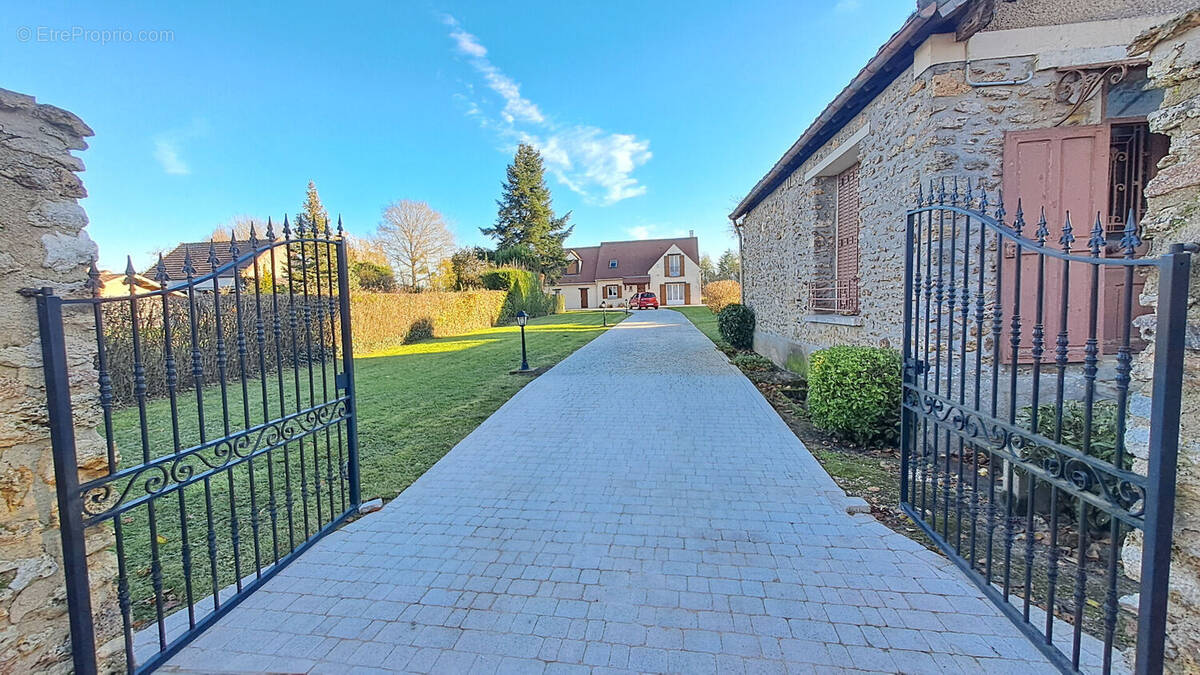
<point x="227" y="445"/>
<point x="1025" y="452"/>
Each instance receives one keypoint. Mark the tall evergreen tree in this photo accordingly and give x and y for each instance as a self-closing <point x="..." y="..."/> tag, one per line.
<point x="526" y="216"/>
<point x="304" y="266"/>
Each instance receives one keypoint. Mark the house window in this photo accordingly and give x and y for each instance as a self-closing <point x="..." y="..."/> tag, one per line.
<point x="612" y="291"/>
<point x="839" y="294"/>
<point x="674" y="265"/>
<point x="573" y="267"/>
<point x="612" y="264"/>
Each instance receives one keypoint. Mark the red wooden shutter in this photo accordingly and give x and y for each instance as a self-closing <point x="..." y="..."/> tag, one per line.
<point x="1062" y="170"/>
<point x="666" y="266"/>
<point x="681" y="259"/>
<point x="687" y="294"/>
<point x="849" y="223"/>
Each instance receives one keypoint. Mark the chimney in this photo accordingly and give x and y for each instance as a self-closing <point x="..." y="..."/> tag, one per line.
<point x="691" y="234"/>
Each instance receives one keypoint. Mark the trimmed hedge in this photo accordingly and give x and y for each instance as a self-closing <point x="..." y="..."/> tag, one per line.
<point x="854" y="392"/>
<point x="524" y="291"/>
<point x="736" y="323"/>
<point x="720" y="294"/>
<point x="382" y="320"/>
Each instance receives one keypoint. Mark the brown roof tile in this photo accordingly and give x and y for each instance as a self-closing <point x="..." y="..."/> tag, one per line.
<point x="634" y="258"/>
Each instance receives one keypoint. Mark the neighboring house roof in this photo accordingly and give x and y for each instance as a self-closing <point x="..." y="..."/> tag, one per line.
<point x="932" y="16"/>
<point x="634" y="259"/>
<point x="199" y="251"/>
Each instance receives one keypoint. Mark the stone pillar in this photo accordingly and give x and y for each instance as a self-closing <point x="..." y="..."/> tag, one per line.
<point x="1173" y="217"/>
<point x="44" y="244"/>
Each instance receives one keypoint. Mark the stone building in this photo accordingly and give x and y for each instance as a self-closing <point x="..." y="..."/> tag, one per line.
<point x="969" y="89"/>
<point x="1090" y="108"/>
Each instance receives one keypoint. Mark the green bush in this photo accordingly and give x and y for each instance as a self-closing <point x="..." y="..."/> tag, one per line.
<point x="854" y="392"/>
<point x="524" y="291"/>
<point x="736" y="323"/>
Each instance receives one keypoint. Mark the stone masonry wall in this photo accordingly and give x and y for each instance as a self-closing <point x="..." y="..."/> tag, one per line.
<point x="42" y="226"/>
<point x="921" y="129"/>
<point x="1174" y="217"/>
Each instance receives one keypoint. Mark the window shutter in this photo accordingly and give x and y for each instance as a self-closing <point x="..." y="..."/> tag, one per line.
<point x="687" y="294"/>
<point x="666" y="265"/>
<point x="682" y="258"/>
<point x="662" y="294"/>
<point x="849" y="222"/>
<point x="619" y="287"/>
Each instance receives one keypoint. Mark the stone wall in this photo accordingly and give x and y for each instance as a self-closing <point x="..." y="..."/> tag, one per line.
<point x="920" y="129"/>
<point x="1174" y="217"/>
<point x="44" y="245"/>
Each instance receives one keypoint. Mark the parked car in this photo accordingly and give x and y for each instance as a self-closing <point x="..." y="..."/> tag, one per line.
<point x="643" y="301"/>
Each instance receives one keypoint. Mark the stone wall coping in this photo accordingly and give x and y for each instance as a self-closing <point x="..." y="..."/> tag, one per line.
<point x="834" y="319"/>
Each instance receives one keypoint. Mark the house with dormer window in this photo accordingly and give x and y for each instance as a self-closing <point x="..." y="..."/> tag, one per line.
<point x="615" y="270"/>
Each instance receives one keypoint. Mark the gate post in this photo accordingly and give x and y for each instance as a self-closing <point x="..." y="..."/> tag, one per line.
<point x="66" y="481"/>
<point x="1173" y="276"/>
<point x="907" y="369"/>
<point x="348" y="369"/>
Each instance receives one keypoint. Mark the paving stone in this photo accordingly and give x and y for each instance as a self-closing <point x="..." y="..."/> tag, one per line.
<point x="696" y="541"/>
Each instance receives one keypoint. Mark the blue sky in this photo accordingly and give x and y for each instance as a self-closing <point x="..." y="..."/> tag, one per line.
<point x="654" y="117"/>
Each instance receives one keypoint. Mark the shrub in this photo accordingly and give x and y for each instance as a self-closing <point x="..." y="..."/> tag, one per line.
<point x="373" y="277"/>
<point x="854" y="392"/>
<point x="719" y="294"/>
<point x="736" y="323"/>
<point x="524" y="291"/>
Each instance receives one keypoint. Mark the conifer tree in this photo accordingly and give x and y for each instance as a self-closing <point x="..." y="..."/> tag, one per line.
<point x="526" y="216"/>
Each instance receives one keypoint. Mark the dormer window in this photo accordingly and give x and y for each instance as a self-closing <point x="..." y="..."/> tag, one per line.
<point x="573" y="266"/>
<point x="612" y="264"/>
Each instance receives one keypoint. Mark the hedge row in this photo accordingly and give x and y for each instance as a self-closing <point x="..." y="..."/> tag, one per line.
<point x="306" y="333"/>
<point x="382" y="320"/>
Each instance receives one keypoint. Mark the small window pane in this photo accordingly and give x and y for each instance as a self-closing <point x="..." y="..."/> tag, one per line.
<point x="612" y="264"/>
<point x="1132" y="97"/>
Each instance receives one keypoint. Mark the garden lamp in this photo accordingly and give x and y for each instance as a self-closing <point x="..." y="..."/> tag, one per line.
<point x="604" y="312"/>
<point x="522" y="319"/>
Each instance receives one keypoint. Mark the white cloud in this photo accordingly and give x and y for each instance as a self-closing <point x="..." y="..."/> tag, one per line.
<point x="654" y="232"/>
<point x="847" y="5"/>
<point x="516" y="107"/>
<point x="166" y="151"/>
<point x="593" y="162"/>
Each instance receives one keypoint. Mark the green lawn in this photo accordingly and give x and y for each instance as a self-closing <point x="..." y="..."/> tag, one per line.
<point x="415" y="402"/>
<point x="704" y="319"/>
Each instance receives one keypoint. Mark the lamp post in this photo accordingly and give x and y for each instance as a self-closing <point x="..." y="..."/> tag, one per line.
<point x="604" y="312"/>
<point x="522" y="319"/>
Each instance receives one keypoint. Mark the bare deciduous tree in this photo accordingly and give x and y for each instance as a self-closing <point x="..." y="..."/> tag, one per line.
<point x="415" y="238"/>
<point x="240" y="226"/>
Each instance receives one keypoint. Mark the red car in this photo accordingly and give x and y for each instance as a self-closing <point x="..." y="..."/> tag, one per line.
<point x="643" y="301"/>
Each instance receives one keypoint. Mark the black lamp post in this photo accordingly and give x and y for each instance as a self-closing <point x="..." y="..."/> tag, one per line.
<point x="522" y="319"/>
<point x="604" y="312"/>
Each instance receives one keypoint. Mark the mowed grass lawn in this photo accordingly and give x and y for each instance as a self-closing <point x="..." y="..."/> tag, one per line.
<point x="415" y="402"/>
<point x="704" y="319"/>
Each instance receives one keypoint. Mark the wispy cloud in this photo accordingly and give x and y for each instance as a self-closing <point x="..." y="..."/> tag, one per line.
<point x="654" y="232"/>
<point x="166" y="151"/>
<point x="169" y="145"/>
<point x="847" y="5"/>
<point x="593" y="162"/>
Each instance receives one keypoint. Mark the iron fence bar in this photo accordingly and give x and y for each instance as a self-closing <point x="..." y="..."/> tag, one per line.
<point x="104" y="379"/>
<point x="1170" y="334"/>
<point x="348" y="368"/>
<point x="66" y="470"/>
<point x="335" y="310"/>
<point x="906" y="350"/>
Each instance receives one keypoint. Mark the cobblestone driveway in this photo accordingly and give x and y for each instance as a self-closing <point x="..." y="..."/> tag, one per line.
<point x="640" y="507"/>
